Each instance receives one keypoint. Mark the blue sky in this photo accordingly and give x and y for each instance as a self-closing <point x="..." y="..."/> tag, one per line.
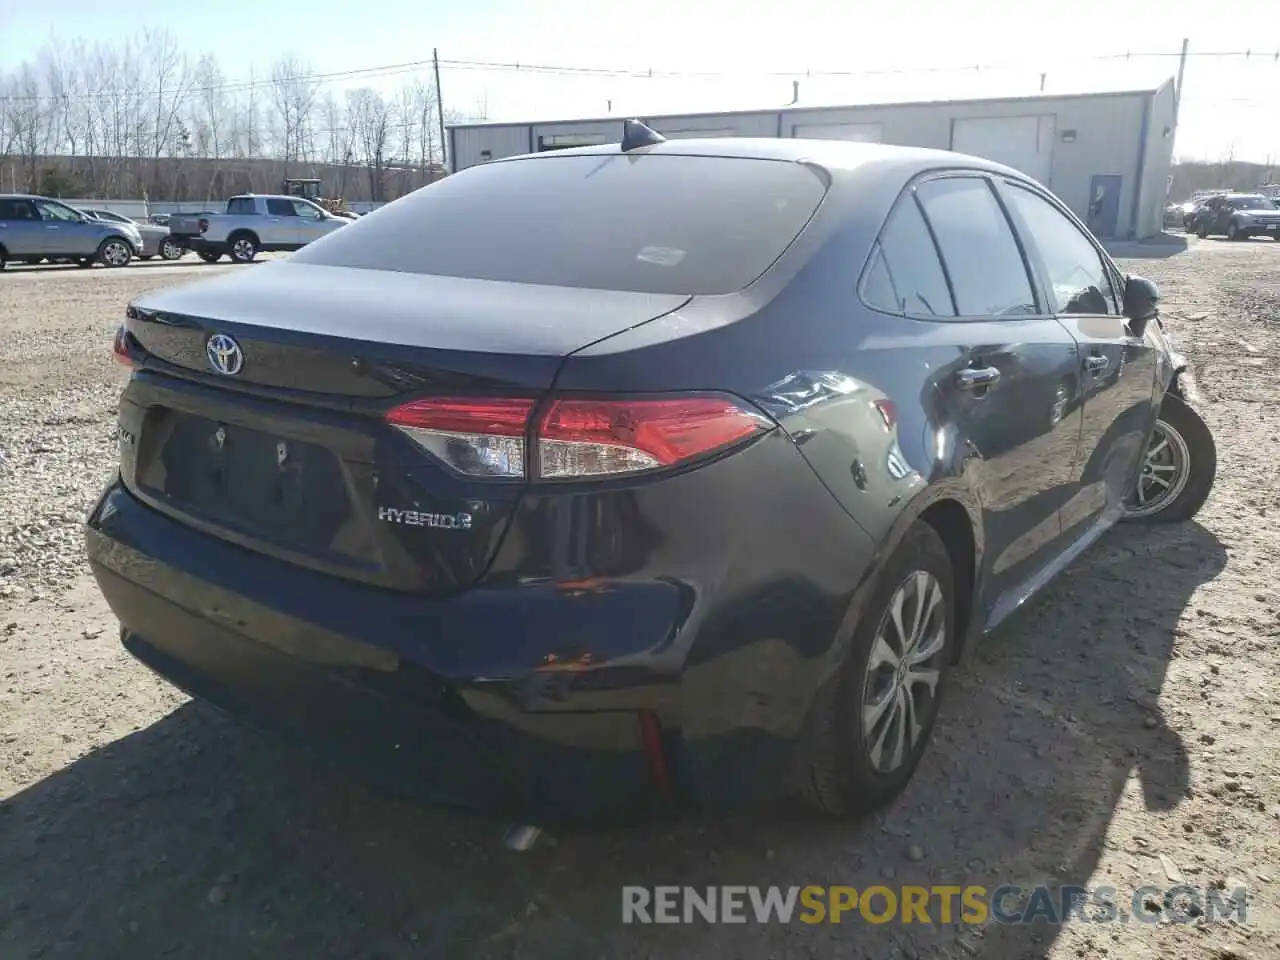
<point x="1232" y="105"/>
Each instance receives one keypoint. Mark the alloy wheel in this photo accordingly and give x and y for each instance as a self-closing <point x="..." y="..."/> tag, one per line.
<point x="1165" y="469"/>
<point x="243" y="249"/>
<point x="115" y="254"/>
<point x="903" y="670"/>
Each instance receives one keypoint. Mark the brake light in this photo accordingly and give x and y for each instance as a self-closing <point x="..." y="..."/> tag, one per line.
<point x="120" y="348"/>
<point x="203" y="224"/>
<point x="582" y="438"/>
<point x="575" y="438"/>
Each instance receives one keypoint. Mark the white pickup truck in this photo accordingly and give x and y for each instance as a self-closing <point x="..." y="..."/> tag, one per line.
<point x="253" y="223"/>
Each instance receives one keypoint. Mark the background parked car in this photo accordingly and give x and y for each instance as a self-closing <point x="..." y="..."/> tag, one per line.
<point x="251" y="224"/>
<point x="34" y="228"/>
<point x="156" y="241"/>
<point x="1238" y="216"/>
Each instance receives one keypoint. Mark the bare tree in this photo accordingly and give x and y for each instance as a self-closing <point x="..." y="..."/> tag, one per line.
<point x="294" y="93"/>
<point x="210" y="117"/>
<point x="138" y="117"/>
<point x="370" y="118"/>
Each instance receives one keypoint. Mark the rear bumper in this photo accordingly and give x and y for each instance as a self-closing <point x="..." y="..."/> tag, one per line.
<point x="199" y="244"/>
<point x="224" y="624"/>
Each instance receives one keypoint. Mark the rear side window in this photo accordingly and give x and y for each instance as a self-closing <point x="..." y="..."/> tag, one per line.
<point x="16" y="209"/>
<point x="978" y="249"/>
<point x="905" y="276"/>
<point x="280" y="208"/>
<point x="651" y="224"/>
<point x="240" y="205"/>
<point x="1078" y="280"/>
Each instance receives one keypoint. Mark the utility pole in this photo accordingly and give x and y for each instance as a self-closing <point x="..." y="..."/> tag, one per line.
<point x="435" y="65"/>
<point x="1042" y="76"/>
<point x="1177" y="90"/>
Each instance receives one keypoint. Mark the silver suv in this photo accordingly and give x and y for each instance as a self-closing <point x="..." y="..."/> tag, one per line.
<point x="34" y="228"/>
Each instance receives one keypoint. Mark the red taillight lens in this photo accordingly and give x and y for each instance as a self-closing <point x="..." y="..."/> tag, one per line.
<point x="120" y="348"/>
<point x="888" y="412"/>
<point x="476" y="437"/>
<point x="203" y="224"/>
<point x="583" y="438"/>
<point x="576" y="438"/>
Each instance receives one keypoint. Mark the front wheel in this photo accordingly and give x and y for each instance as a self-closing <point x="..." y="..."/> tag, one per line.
<point x="1178" y="468"/>
<point x="1233" y="232"/>
<point x="114" y="253"/>
<point x="870" y="723"/>
<point x="171" y="249"/>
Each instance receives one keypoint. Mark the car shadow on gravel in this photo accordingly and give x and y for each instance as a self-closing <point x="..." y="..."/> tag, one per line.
<point x="195" y="838"/>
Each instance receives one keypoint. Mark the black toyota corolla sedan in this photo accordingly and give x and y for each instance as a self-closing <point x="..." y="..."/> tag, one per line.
<point x="631" y="477"/>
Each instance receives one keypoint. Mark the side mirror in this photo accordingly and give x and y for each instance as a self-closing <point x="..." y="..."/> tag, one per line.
<point x="1141" y="299"/>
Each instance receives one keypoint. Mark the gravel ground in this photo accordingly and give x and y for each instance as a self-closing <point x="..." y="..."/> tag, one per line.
<point x="1120" y="733"/>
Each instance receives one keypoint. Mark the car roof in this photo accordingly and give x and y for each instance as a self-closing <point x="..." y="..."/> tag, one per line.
<point x="841" y="158"/>
<point x="24" y="196"/>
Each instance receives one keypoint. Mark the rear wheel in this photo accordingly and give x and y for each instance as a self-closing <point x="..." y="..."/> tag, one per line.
<point x="114" y="252"/>
<point x="244" y="247"/>
<point x="870" y="724"/>
<point x="210" y="256"/>
<point x="1178" y="468"/>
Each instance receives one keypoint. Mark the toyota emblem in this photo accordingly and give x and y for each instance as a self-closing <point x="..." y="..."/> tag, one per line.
<point x="224" y="354"/>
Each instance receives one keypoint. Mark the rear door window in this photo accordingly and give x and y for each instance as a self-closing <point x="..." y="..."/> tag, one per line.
<point x="280" y="208"/>
<point x="240" y="205"/>
<point x="905" y="276"/>
<point x="16" y="208"/>
<point x="981" y="256"/>
<point x="658" y="224"/>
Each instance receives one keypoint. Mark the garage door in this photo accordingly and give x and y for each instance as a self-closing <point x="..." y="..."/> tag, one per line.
<point x="1024" y="143"/>
<point x="856" y="132"/>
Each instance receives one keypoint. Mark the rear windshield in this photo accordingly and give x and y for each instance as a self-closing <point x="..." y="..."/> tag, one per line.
<point x="650" y="224"/>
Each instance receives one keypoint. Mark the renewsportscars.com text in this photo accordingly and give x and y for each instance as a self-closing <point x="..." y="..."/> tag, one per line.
<point x="972" y="904"/>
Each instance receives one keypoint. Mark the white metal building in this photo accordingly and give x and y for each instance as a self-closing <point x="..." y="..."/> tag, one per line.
<point x="1107" y="155"/>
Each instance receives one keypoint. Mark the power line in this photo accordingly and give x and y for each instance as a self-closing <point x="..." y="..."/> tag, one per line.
<point x="395" y="69"/>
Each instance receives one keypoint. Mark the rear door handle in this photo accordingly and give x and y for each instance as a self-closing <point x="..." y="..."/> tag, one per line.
<point x="1096" y="363"/>
<point x="974" y="378"/>
<point x="51" y="226"/>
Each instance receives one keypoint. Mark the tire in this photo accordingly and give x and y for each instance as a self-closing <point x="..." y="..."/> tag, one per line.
<point x="210" y="256"/>
<point x="115" y="252"/>
<point x="1233" y="232"/>
<point x="243" y="247"/>
<point x="171" y="249"/>
<point x="840" y="777"/>
<point x="1202" y="232"/>
<point x="1183" y="441"/>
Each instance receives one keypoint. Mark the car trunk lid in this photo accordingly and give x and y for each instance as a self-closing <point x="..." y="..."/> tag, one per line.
<point x="287" y="449"/>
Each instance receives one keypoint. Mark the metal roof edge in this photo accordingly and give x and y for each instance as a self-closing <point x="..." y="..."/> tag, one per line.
<point x="800" y="108"/>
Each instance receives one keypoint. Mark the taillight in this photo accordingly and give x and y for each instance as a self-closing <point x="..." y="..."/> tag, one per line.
<point x="476" y="437"/>
<point x="584" y="438"/>
<point x="120" y="347"/>
<point x="203" y="225"/>
<point x="575" y="437"/>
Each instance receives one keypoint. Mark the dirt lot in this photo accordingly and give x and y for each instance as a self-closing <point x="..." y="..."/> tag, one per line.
<point x="1121" y="733"/>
